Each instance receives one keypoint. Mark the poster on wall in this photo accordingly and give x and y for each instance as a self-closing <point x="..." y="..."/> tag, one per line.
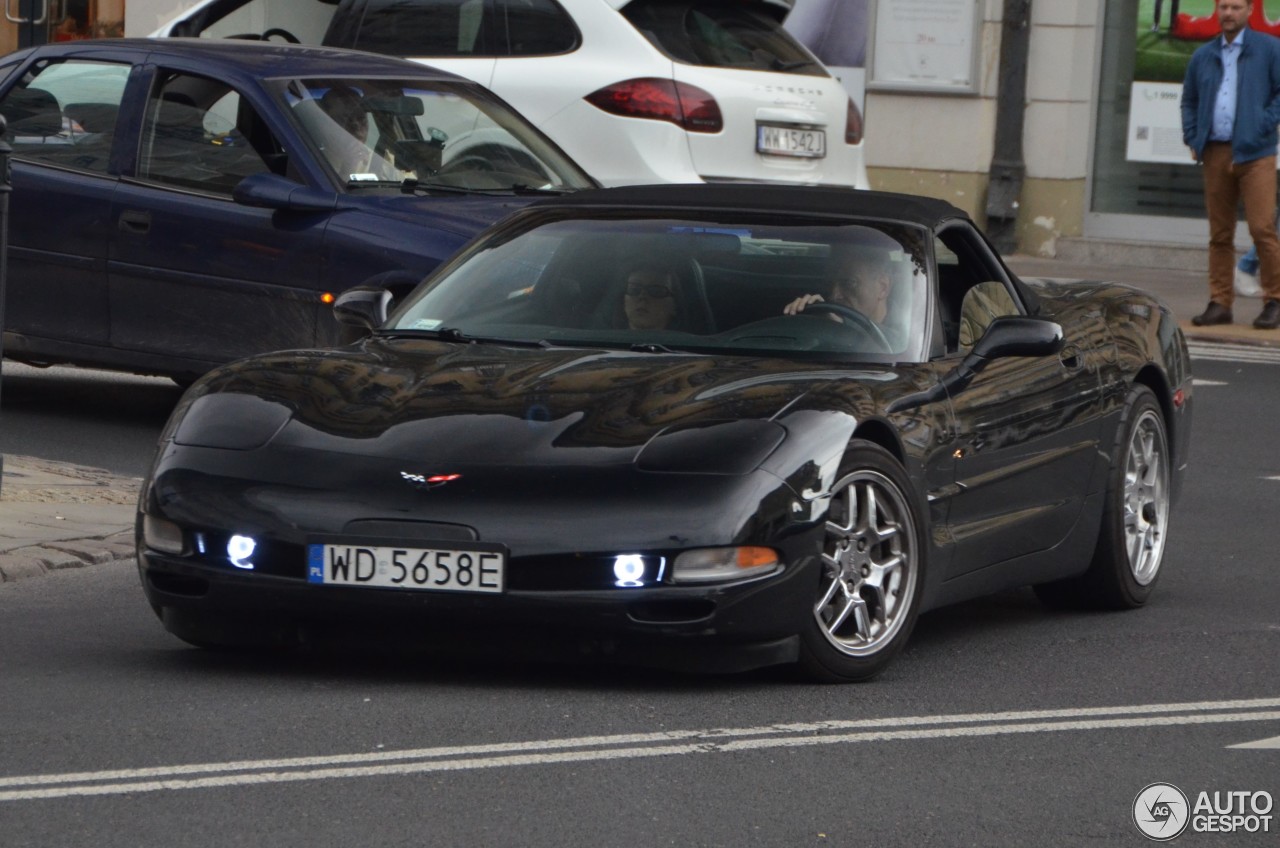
<point x="926" y="45"/>
<point x="836" y="31"/>
<point x="1168" y="32"/>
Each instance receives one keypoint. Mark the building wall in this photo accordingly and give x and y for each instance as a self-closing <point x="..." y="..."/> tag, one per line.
<point x="942" y="144"/>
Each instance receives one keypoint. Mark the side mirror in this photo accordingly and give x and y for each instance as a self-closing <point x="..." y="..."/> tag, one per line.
<point x="272" y="191"/>
<point x="1017" y="335"/>
<point x="1011" y="335"/>
<point x="362" y="307"/>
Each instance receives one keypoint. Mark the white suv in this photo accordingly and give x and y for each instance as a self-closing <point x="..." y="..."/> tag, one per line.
<point x="636" y="91"/>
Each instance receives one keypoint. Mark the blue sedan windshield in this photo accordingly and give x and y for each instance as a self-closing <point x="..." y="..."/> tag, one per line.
<point x="376" y="131"/>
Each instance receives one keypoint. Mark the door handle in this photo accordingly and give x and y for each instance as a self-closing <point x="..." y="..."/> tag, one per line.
<point x="135" y="221"/>
<point x="14" y="19"/>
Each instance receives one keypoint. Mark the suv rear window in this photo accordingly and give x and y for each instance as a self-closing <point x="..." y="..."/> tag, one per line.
<point x="721" y="35"/>
<point x="466" y="28"/>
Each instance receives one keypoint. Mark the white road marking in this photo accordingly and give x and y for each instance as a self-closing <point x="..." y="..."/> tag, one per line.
<point x="628" y="746"/>
<point x="1196" y="381"/>
<point x="1227" y="352"/>
<point x="1273" y="742"/>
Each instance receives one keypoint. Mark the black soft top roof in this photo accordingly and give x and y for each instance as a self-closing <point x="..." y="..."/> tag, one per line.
<point x="822" y="200"/>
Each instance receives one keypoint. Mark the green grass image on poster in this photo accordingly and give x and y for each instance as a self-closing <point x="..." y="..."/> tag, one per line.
<point x="1159" y="56"/>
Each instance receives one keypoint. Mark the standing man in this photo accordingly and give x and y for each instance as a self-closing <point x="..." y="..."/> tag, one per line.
<point x="1230" y="109"/>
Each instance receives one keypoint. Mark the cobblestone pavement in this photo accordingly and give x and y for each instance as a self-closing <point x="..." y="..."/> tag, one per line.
<point x="55" y="515"/>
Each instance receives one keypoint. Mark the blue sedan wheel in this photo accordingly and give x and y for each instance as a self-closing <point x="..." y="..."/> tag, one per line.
<point x="868" y="592"/>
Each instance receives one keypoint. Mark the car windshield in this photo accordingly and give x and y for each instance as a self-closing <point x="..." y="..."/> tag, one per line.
<point x="750" y="283"/>
<point x="380" y="132"/>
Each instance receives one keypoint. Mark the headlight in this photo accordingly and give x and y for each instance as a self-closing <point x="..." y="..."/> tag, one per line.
<point x="710" y="565"/>
<point x="161" y="535"/>
<point x="232" y="422"/>
<point x="712" y="447"/>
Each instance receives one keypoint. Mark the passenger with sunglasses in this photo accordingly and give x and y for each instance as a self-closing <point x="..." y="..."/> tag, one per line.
<point x="651" y="299"/>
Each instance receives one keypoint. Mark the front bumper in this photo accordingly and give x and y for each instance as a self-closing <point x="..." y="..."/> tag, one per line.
<point x="723" y="627"/>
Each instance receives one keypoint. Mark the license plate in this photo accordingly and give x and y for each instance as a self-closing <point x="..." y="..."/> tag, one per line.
<point x="476" y="568"/>
<point x="788" y="141"/>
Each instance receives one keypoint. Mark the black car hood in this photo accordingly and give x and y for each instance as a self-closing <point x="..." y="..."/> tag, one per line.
<point x="490" y="405"/>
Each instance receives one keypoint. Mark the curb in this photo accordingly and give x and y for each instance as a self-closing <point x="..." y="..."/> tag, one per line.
<point x="57" y="515"/>
<point x="35" y="561"/>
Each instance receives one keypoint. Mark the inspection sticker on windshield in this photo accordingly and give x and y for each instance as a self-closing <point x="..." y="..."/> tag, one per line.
<point x="789" y="141"/>
<point x="472" y="567"/>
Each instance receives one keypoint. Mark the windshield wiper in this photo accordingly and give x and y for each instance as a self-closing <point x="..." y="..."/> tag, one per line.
<point x="520" y="188"/>
<point x="412" y="186"/>
<point x="453" y="334"/>
<point x="650" y="347"/>
<point x="350" y="184"/>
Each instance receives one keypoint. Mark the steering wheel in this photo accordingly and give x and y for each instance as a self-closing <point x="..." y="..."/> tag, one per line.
<point x="283" y="33"/>
<point x="852" y="317"/>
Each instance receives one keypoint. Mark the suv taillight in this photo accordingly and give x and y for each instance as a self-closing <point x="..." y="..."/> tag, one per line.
<point x="682" y="104"/>
<point x="853" y="124"/>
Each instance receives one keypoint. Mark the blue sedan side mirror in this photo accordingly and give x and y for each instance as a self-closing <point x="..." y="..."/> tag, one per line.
<point x="272" y="191"/>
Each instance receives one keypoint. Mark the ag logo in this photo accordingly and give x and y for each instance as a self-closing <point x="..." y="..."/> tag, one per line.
<point x="1161" y="812"/>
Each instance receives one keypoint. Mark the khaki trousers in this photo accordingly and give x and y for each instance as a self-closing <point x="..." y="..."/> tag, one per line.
<point x="1225" y="185"/>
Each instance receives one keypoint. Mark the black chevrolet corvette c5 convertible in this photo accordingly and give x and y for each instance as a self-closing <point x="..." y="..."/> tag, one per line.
<point x="719" y="426"/>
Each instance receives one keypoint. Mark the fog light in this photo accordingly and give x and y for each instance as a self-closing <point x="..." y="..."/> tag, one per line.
<point x="709" y="565"/>
<point x="239" y="549"/>
<point x="630" y="570"/>
<point x="161" y="535"/>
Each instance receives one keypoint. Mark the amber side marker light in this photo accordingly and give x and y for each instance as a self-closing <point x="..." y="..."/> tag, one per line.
<point x="327" y="298"/>
<point x="708" y="565"/>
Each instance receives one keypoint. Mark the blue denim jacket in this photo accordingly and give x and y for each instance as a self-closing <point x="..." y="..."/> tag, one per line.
<point x="1257" y="97"/>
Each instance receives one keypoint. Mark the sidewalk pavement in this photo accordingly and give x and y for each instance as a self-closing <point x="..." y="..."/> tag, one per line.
<point x="56" y="515"/>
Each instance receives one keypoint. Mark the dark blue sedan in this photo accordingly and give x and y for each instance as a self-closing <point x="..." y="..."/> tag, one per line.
<point x="182" y="203"/>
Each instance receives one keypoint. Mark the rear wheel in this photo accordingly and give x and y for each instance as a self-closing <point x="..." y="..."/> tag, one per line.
<point x="1135" y="516"/>
<point x="868" y="592"/>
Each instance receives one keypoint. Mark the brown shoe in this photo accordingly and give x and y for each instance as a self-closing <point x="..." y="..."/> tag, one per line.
<point x="1214" y="313"/>
<point x="1269" y="317"/>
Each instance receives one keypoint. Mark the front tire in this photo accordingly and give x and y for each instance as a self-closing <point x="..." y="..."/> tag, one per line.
<point x="1135" y="516"/>
<point x="871" y="575"/>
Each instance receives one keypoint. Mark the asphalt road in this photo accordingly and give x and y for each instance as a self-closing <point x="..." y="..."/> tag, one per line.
<point x="96" y="418"/>
<point x="1002" y="723"/>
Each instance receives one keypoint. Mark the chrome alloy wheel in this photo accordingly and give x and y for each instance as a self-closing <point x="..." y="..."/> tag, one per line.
<point x="869" y="565"/>
<point x="1146" y="496"/>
